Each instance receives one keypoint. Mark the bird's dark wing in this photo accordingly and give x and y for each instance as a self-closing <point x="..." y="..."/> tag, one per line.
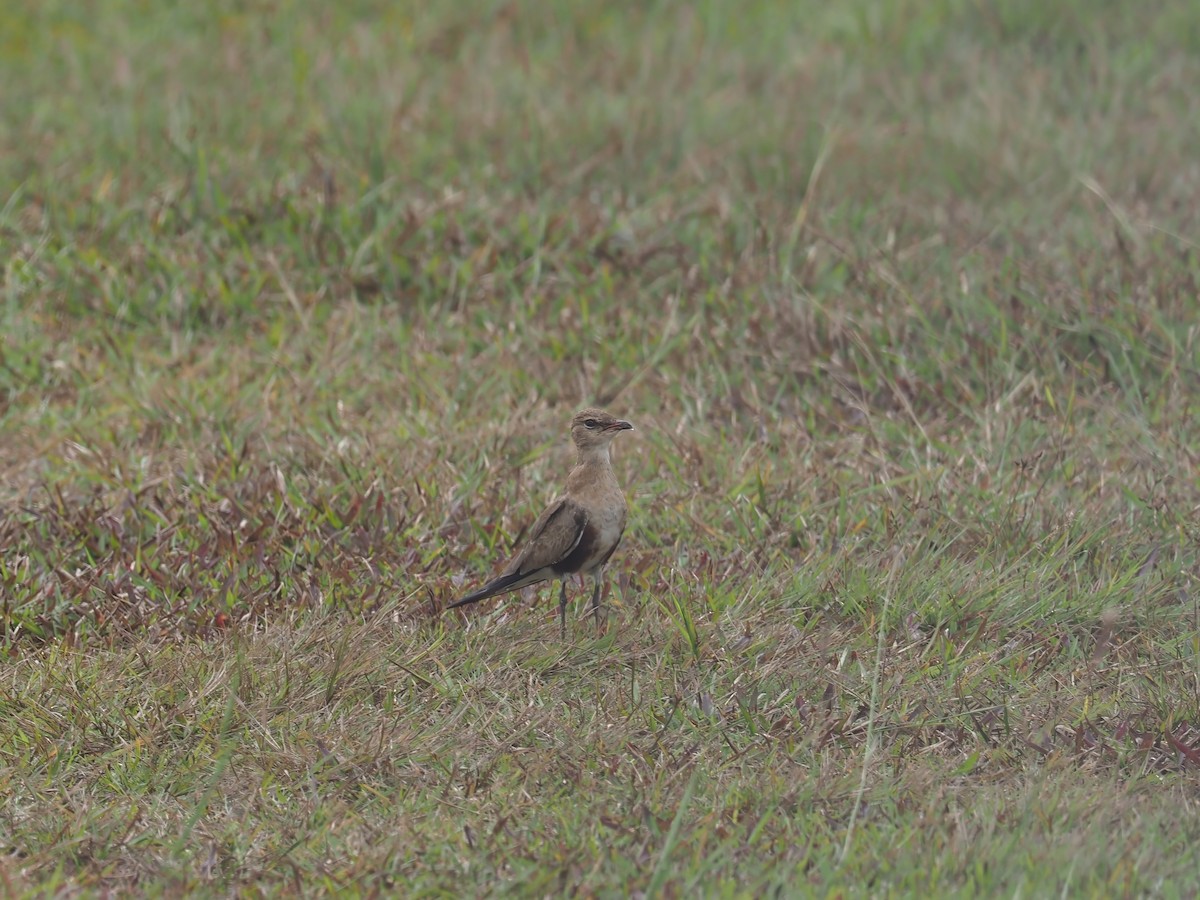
<point x="553" y="536"/>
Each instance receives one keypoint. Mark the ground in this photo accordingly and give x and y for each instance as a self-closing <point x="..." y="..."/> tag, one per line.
<point x="299" y="298"/>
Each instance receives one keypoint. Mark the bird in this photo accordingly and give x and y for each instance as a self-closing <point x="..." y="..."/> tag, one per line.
<point x="580" y="530"/>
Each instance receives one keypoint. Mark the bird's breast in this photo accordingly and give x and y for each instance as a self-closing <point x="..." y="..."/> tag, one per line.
<point x="609" y="525"/>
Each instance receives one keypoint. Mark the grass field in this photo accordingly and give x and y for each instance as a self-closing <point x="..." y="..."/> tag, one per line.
<point x="298" y="299"/>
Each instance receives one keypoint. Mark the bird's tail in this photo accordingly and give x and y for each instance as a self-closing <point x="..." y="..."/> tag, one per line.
<point x="493" y="587"/>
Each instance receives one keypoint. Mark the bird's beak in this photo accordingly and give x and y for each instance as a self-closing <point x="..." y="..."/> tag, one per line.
<point x="620" y="425"/>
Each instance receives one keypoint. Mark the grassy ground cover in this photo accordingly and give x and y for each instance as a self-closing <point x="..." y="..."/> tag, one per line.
<point x="298" y="298"/>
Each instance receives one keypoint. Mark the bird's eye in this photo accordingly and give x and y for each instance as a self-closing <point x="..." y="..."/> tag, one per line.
<point x="591" y="423"/>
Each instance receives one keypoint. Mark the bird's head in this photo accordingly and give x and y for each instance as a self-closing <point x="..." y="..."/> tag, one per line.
<point x="594" y="429"/>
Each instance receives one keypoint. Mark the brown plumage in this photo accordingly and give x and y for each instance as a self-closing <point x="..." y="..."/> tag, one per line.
<point x="579" y="531"/>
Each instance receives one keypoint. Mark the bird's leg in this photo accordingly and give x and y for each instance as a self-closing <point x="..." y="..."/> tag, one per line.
<point x="562" y="608"/>
<point x="596" y="601"/>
